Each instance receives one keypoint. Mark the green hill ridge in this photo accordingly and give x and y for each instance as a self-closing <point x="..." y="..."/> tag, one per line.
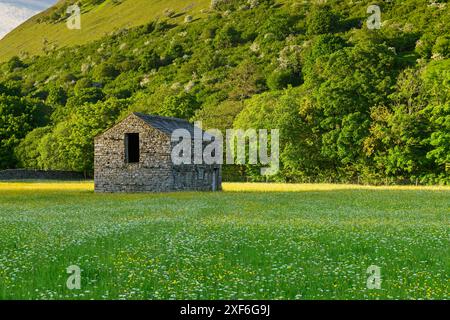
<point x="49" y="29"/>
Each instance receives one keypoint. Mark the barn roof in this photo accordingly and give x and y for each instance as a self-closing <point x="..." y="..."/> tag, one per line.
<point x="166" y="124"/>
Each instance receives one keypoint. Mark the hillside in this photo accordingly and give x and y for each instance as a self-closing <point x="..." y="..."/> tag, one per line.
<point x="351" y="103"/>
<point x="97" y="21"/>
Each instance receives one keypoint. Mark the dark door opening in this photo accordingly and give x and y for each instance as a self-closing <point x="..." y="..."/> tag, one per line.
<point x="132" y="153"/>
<point x="215" y="180"/>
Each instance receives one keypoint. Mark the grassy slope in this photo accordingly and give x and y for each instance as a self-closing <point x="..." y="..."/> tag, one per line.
<point x="303" y="245"/>
<point x="95" y="23"/>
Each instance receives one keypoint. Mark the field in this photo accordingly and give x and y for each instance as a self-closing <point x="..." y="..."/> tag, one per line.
<point x="249" y="242"/>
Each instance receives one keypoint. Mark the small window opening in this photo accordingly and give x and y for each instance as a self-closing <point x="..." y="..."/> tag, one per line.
<point x="132" y="148"/>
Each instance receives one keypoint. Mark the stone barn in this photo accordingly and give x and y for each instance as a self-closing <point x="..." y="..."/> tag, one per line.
<point x="135" y="156"/>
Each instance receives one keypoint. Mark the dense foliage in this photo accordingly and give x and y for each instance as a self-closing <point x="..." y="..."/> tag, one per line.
<point x="351" y="103"/>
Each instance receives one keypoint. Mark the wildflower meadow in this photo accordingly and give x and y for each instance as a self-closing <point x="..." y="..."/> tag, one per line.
<point x="287" y="242"/>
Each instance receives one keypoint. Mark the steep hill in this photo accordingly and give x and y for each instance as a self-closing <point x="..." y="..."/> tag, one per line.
<point x="49" y="30"/>
<point x="352" y="103"/>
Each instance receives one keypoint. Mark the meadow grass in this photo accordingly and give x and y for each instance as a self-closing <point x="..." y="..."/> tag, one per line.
<point x="252" y="241"/>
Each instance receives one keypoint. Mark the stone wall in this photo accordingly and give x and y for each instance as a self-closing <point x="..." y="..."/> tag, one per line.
<point x="195" y="177"/>
<point x="24" y="174"/>
<point x="154" y="173"/>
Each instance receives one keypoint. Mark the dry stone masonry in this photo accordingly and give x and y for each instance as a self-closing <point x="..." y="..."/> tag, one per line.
<point x="151" y="168"/>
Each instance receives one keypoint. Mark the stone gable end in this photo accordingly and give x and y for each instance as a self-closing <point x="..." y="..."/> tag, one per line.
<point x="155" y="171"/>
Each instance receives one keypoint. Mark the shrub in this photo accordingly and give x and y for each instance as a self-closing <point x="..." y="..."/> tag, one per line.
<point x="106" y="71"/>
<point x="15" y="63"/>
<point x="282" y="78"/>
<point x="322" y="20"/>
<point x="442" y="47"/>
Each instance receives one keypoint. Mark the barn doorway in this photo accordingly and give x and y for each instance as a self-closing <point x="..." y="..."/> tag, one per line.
<point x="132" y="152"/>
<point x="215" y="180"/>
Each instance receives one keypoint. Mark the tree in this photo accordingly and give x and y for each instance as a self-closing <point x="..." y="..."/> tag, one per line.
<point x="341" y="100"/>
<point x="244" y="81"/>
<point x="436" y="86"/>
<point x="149" y="61"/>
<point x="182" y="105"/>
<point x="397" y="142"/>
<point x="70" y="145"/>
<point x="90" y="95"/>
<point x="442" y="47"/>
<point x="27" y="152"/>
<point x="219" y="116"/>
<point x="322" y="46"/>
<point x="106" y="71"/>
<point x="83" y="83"/>
<point x="411" y="138"/>
<point x="282" y="78"/>
<point x="322" y="20"/>
<point x="57" y="96"/>
<point x="18" y="117"/>
<point x="227" y="37"/>
<point x="440" y="137"/>
<point x="15" y="63"/>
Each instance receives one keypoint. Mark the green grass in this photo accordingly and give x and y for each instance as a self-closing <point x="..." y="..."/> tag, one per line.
<point x="95" y="23"/>
<point x="311" y="244"/>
